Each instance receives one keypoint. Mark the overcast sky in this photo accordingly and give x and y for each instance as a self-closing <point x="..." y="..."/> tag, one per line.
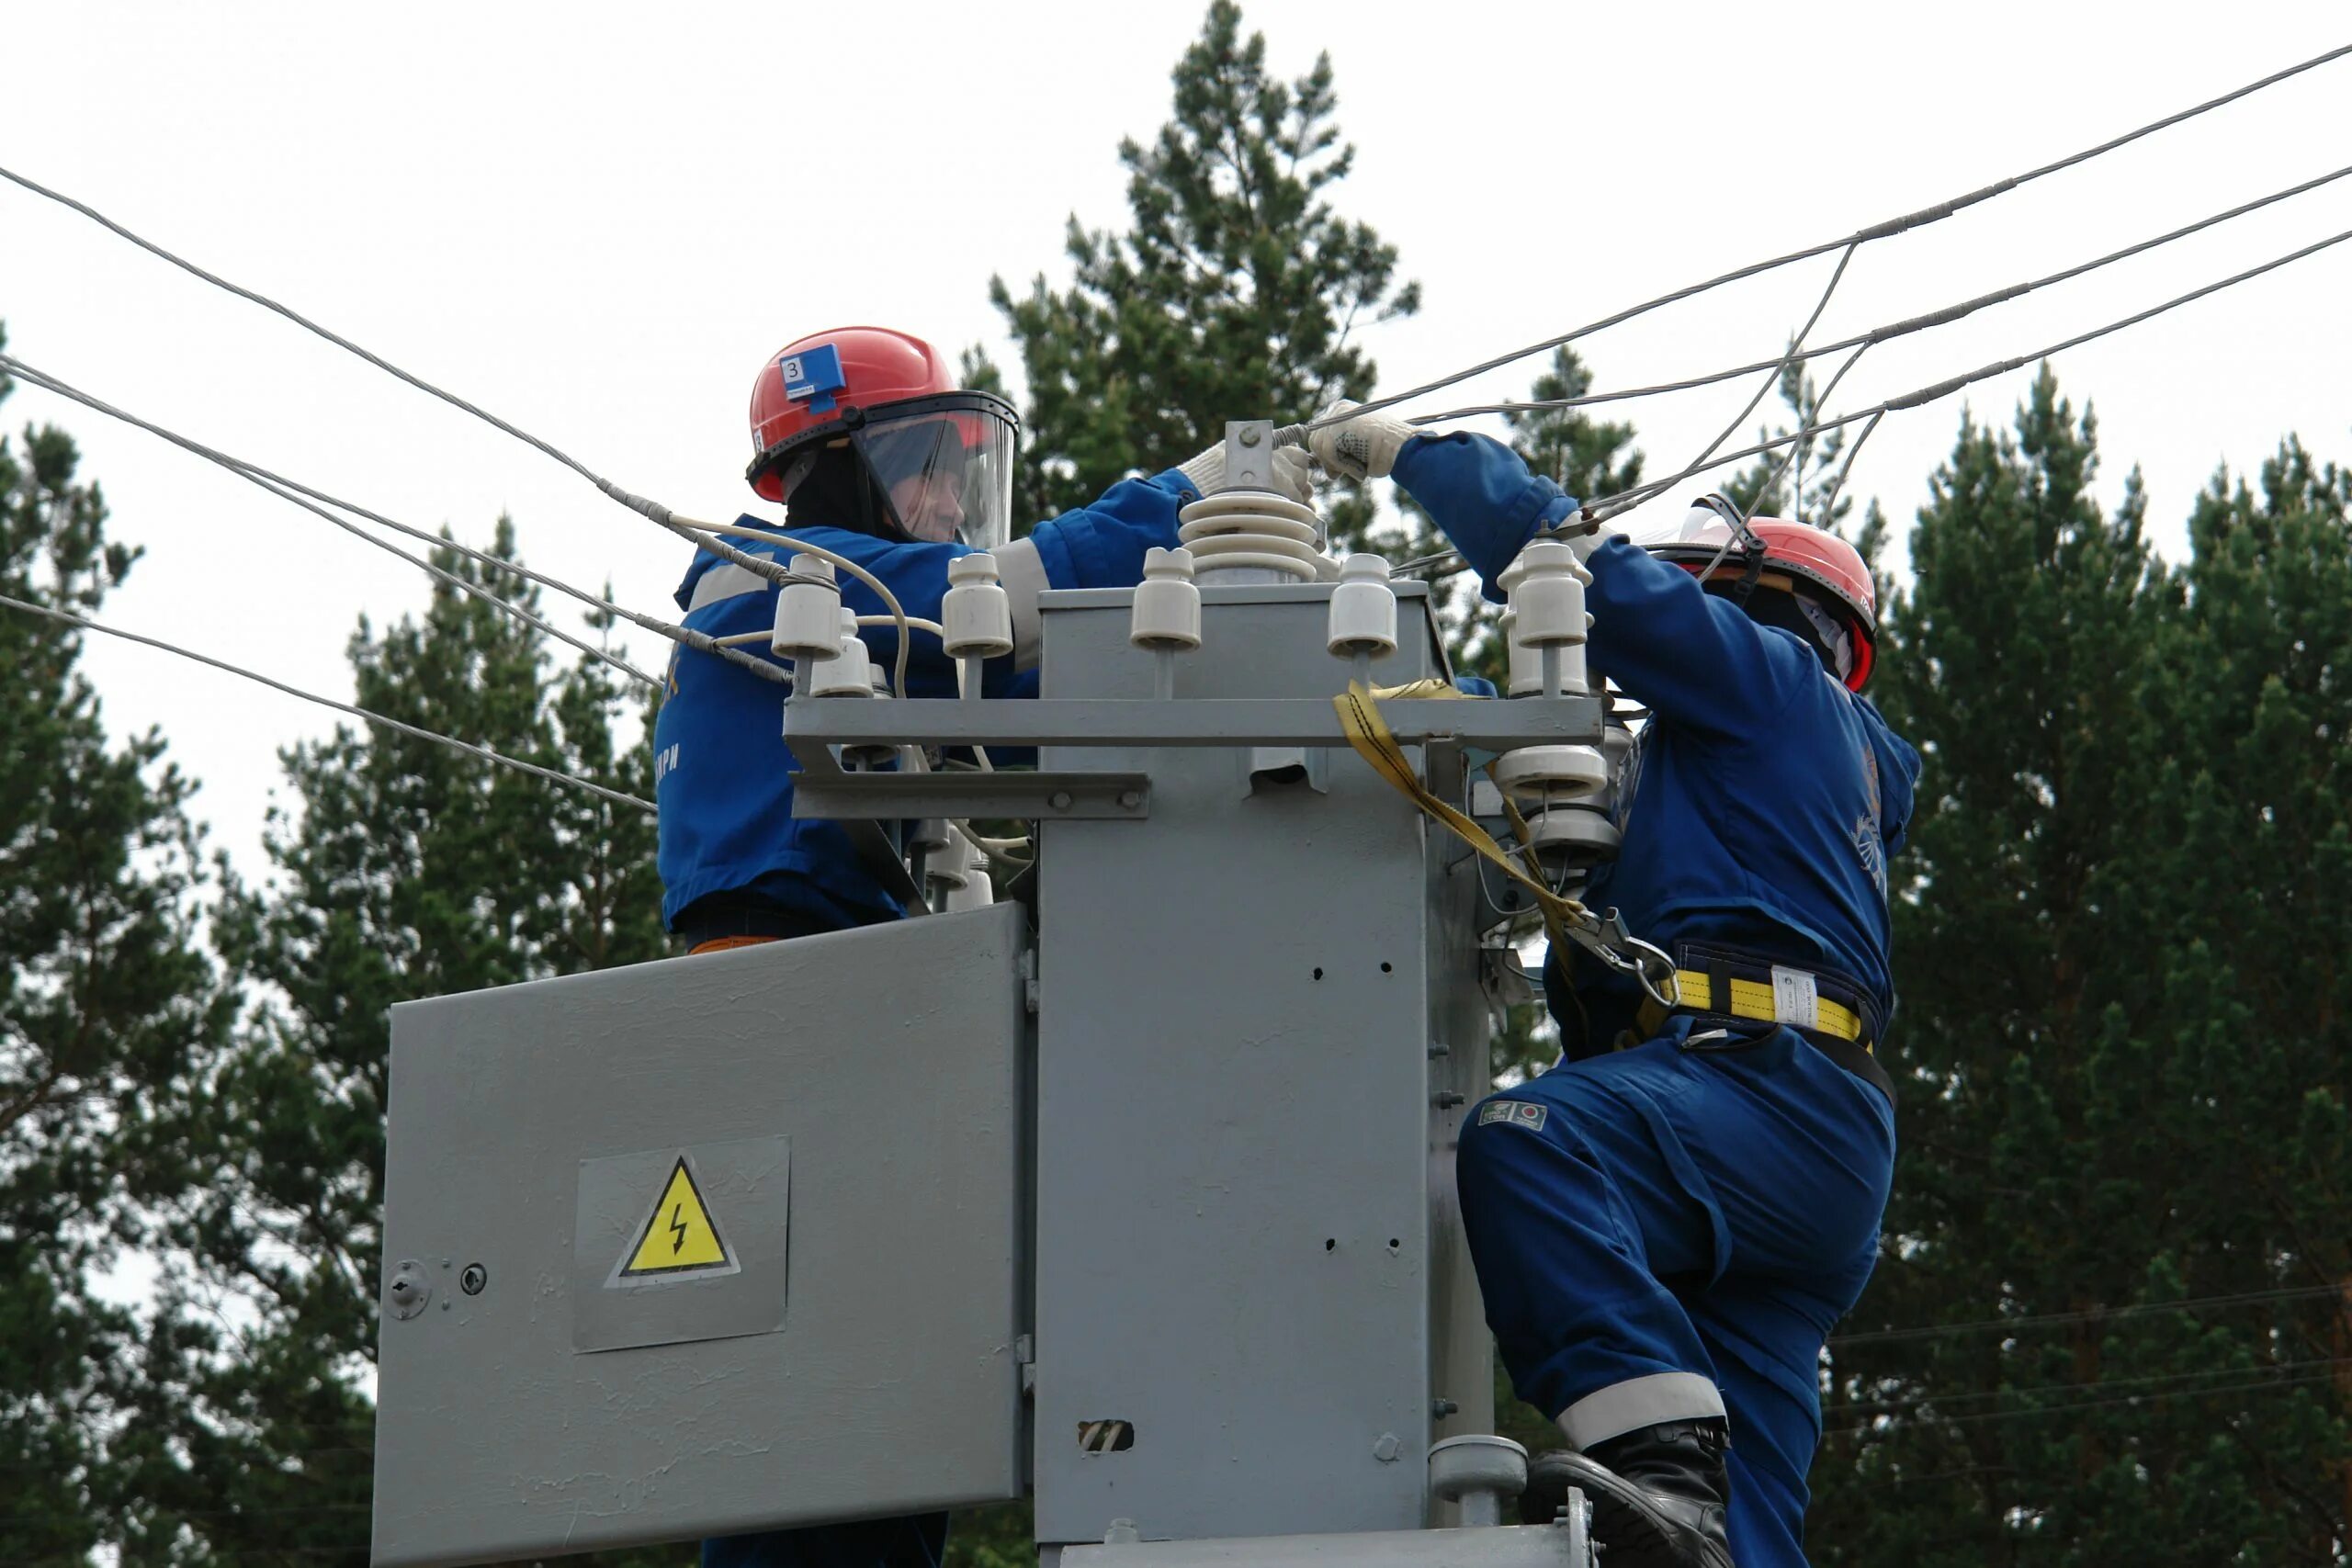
<point x="598" y="220"/>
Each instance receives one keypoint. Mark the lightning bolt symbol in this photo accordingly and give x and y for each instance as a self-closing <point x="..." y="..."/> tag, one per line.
<point x="677" y="1229"/>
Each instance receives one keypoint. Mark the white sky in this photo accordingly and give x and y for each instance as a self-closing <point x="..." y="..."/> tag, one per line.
<point x="596" y="219"/>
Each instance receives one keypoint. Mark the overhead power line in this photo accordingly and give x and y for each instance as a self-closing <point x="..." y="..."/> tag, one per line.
<point x="281" y="486"/>
<point x="31" y="376"/>
<point x="1611" y="505"/>
<point x="1859" y="237"/>
<point x="702" y="536"/>
<point x="2153" y="1381"/>
<point x="2159" y="1396"/>
<point x="1892" y="330"/>
<point x="486" y="753"/>
<point x="2086" y="1314"/>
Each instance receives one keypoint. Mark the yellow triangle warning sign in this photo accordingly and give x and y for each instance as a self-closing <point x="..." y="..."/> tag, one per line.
<point x="679" y="1236"/>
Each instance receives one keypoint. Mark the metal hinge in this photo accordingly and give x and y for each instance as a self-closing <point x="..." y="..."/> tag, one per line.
<point x="1029" y="981"/>
<point x="1024" y="1354"/>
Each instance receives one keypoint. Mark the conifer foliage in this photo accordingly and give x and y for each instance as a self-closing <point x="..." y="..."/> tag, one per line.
<point x="1235" y="293"/>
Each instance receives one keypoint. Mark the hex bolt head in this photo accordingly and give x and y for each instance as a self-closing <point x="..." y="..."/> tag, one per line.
<point x="1249" y="435"/>
<point x="472" y="1280"/>
<point x="1447" y="1098"/>
<point x="1059" y="800"/>
<point x="1130" y="798"/>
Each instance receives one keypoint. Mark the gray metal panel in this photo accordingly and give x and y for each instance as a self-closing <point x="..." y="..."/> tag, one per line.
<point x="1234" y="1114"/>
<point x="1462" y="1366"/>
<point x="891" y="1059"/>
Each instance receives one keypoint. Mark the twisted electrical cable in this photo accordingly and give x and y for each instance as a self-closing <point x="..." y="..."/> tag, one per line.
<point x="1859" y="237"/>
<point x="1936" y="317"/>
<point x="293" y="491"/>
<point x="486" y="753"/>
<point x="34" y="377"/>
<point x="704" y="535"/>
<point x="1609" y="506"/>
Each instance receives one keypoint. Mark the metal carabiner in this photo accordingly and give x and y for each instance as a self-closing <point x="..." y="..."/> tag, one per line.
<point x="1646" y="954"/>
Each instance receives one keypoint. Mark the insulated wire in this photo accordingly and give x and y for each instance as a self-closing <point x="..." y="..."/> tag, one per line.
<point x="1611" y="505"/>
<point x="2087" y="1315"/>
<point x="2151" y="1381"/>
<point x="468" y="747"/>
<point x="50" y="384"/>
<point x="702" y="535"/>
<point x="1780" y="367"/>
<point x="1859" y="237"/>
<point x="706" y="535"/>
<point x="1936" y="317"/>
<point x="279" y="485"/>
<point x="2253" y="1386"/>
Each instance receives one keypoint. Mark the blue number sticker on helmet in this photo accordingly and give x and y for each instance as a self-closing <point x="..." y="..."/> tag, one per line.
<point x="813" y="375"/>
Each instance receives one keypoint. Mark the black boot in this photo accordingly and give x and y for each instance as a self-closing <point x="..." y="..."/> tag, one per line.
<point x="1658" y="1494"/>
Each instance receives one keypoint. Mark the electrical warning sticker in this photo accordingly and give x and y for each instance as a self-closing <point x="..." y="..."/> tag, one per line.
<point x="680" y="1237"/>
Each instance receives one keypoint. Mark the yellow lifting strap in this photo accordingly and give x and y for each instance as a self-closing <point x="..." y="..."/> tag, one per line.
<point x="1565" y="919"/>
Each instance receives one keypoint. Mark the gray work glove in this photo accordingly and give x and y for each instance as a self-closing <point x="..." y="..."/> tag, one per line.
<point x="1364" y="447"/>
<point x="1294" y="475"/>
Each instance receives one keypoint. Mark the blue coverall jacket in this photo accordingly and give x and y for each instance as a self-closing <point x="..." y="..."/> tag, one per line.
<point x="1668" y="1232"/>
<point x="722" y="773"/>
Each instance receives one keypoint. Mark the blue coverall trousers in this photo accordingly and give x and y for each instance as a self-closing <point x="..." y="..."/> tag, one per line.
<point x="1681" y="1208"/>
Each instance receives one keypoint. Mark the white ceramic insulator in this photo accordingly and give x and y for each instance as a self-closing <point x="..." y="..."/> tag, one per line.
<point x="1551" y="775"/>
<point x="976" y="614"/>
<point x="1549" y="597"/>
<point x="1167" y="603"/>
<point x="1575" y="834"/>
<point x="1363" y="608"/>
<point x="809" y="614"/>
<point x="851" y="672"/>
<point x="976" y="891"/>
<point x="1254" y="537"/>
<point x="1527" y="667"/>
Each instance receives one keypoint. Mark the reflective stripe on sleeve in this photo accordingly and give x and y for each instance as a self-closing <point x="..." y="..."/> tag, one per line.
<point x="725" y="580"/>
<point x="1023" y="572"/>
<point x="1628" y="1406"/>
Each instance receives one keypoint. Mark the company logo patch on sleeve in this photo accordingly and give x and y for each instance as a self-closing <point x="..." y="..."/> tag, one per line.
<point x="1517" y="1112"/>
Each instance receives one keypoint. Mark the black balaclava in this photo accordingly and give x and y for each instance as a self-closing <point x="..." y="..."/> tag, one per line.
<point x="839" y="491"/>
<point x="1777" y="607"/>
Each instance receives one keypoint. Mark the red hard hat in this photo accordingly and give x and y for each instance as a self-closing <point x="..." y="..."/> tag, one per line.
<point x="940" y="459"/>
<point x="1830" y="569"/>
<point x="869" y="366"/>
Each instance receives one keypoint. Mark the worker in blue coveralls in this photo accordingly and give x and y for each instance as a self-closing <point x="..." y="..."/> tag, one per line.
<point x="879" y="458"/>
<point x="1668" y="1222"/>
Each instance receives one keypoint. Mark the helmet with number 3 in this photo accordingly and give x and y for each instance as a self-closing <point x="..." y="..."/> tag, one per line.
<point x="864" y="427"/>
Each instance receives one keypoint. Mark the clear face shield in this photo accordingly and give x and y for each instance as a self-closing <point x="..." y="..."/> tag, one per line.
<point x="1707" y="525"/>
<point x="945" y="464"/>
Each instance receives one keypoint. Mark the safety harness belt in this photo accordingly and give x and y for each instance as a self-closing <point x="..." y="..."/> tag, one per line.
<point x="1724" y="986"/>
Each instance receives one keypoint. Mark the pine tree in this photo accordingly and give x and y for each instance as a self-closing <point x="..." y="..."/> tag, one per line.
<point x="106" y="997"/>
<point x="1234" y="294"/>
<point x="2097" y="1123"/>
<point x="408" y="870"/>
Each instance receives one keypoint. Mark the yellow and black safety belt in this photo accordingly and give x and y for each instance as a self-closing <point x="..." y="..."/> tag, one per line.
<point x="1722" y="984"/>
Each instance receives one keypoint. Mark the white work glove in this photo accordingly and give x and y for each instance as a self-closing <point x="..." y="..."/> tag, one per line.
<point x="1294" y="475"/>
<point x="1585" y="537"/>
<point x="1364" y="447"/>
